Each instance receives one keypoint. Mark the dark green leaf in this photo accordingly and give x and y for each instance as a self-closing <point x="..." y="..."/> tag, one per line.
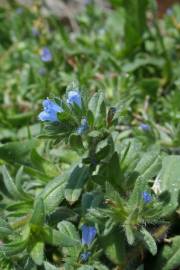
<point x="76" y="182"/>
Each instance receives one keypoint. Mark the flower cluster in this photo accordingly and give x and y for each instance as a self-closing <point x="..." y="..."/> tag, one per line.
<point x="51" y="109"/>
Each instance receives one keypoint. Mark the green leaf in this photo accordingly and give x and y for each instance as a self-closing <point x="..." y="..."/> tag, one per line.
<point x="114" y="170"/>
<point x="18" y="152"/>
<point x="19" y="183"/>
<point x="150" y="86"/>
<point x="149" y="241"/>
<point x="136" y="195"/>
<point x="170" y="181"/>
<point x="130" y="150"/>
<point x="76" y="182"/>
<point x="129" y="232"/>
<point x="104" y="148"/>
<point x="21" y="118"/>
<point x="10" y="185"/>
<point x="53" y="193"/>
<point x="13" y="248"/>
<point x="68" y="229"/>
<point x="149" y="164"/>
<point x="90" y="200"/>
<point x="98" y="108"/>
<point x="62" y="213"/>
<point x="135" y="23"/>
<point x="100" y="266"/>
<point x="76" y="142"/>
<point x="69" y="266"/>
<point x="113" y="245"/>
<point x="49" y="266"/>
<point x="58" y="238"/>
<point x="43" y="165"/>
<point x="38" y="216"/>
<point x="169" y="256"/>
<point x="90" y="118"/>
<point x="37" y="253"/>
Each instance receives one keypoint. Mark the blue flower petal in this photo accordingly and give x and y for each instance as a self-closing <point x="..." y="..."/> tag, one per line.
<point x="83" y="127"/>
<point x="145" y="127"/>
<point x="50" y="111"/>
<point x="88" y="234"/>
<point x="74" y="97"/>
<point x="146" y="197"/>
<point x="46" y="55"/>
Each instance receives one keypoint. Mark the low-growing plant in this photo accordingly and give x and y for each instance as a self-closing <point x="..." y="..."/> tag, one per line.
<point x="90" y="136"/>
<point x="112" y="203"/>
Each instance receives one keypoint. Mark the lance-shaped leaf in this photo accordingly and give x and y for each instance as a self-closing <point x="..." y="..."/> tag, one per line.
<point x="62" y="213"/>
<point x="136" y="195"/>
<point x="37" y="253"/>
<point x="114" y="170"/>
<point x="19" y="183"/>
<point x="90" y="200"/>
<point x="58" y="238"/>
<point x="149" y="241"/>
<point x="13" y="248"/>
<point x="43" y="165"/>
<point x="49" y="266"/>
<point x="38" y="216"/>
<point x="149" y="164"/>
<point x="135" y="23"/>
<point x="18" y="152"/>
<point x="76" y="142"/>
<point x="113" y="245"/>
<point x="170" y="181"/>
<point x="129" y="233"/>
<point x="68" y="229"/>
<point x="53" y="193"/>
<point x="100" y="266"/>
<point x="76" y="182"/>
<point x="10" y="185"/>
<point x="98" y="108"/>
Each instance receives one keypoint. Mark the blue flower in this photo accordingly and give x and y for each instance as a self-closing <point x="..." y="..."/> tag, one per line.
<point x="88" y="234"/>
<point x="46" y="55"/>
<point x="85" y="256"/>
<point x="146" y="197"/>
<point x="83" y="127"/>
<point x="74" y="97"/>
<point x="35" y="32"/>
<point x="145" y="127"/>
<point x="50" y="111"/>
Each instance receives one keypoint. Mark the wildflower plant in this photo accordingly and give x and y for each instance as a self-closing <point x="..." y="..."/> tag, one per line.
<point x="89" y="173"/>
<point x="105" y="196"/>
